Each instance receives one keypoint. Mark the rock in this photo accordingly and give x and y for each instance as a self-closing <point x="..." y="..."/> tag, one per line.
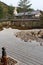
<point x="41" y="44"/>
<point x="26" y="34"/>
<point x="25" y="39"/>
<point x="10" y="61"/>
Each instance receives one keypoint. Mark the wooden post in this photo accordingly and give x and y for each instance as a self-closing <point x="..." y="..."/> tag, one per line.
<point x="4" y="57"/>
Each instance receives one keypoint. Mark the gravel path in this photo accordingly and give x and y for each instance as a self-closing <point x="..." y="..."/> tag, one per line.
<point x="28" y="53"/>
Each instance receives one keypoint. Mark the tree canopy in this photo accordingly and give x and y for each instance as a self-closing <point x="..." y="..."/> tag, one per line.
<point x="25" y="5"/>
<point x="1" y="12"/>
<point x="5" y="10"/>
<point x="41" y="16"/>
<point x="10" y="11"/>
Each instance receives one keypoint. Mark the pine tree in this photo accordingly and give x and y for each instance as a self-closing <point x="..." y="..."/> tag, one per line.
<point x="25" y="5"/>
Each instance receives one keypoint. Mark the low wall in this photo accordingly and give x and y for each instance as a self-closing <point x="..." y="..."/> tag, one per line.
<point x="28" y="24"/>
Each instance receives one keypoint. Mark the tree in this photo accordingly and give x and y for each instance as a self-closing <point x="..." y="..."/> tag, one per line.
<point x="10" y="11"/>
<point x="1" y="12"/>
<point x="41" y="16"/>
<point x="24" y="5"/>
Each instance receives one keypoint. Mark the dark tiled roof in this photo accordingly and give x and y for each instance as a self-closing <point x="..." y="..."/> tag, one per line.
<point x="28" y="13"/>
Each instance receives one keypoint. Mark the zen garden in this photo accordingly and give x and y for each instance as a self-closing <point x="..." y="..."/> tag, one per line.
<point x="21" y="34"/>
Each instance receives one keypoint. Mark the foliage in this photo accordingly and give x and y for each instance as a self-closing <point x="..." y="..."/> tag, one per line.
<point x="10" y="10"/>
<point x="19" y="9"/>
<point x="1" y="12"/>
<point x="24" y="5"/>
<point x="41" y="16"/>
<point x="6" y="11"/>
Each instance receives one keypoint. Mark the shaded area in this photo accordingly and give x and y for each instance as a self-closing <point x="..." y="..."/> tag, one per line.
<point x="10" y="61"/>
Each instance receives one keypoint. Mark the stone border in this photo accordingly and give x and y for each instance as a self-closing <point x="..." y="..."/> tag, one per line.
<point x="15" y="60"/>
